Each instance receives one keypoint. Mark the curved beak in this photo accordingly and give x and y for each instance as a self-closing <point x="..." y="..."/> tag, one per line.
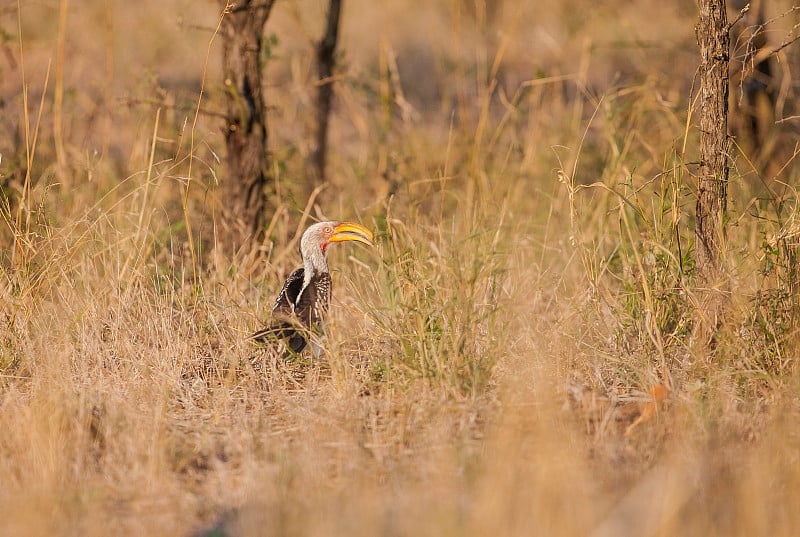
<point x="351" y="231"/>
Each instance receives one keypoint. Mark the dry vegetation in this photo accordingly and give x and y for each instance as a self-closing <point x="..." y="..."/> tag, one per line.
<point x="496" y="366"/>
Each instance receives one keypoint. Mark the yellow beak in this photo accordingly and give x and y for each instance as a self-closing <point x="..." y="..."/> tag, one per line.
<point x="350" y="231"/>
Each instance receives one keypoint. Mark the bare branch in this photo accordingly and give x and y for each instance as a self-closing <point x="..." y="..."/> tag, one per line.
<point x="129" y="101"/>
<point x="253" y="7"/>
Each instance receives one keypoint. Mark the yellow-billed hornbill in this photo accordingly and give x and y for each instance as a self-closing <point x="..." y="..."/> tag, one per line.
<point x="303" y="301"/>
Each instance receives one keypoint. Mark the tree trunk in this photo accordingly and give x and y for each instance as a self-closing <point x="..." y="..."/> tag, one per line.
<point x="248" y="171"/>
<point x="325" y="64"/>
<point x="712" y="36"/>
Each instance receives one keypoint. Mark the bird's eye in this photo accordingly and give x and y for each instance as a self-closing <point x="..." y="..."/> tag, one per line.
<point x="328" y="230"/>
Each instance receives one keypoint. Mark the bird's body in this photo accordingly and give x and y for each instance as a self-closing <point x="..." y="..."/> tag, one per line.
<point x="302" y="304"/>
<point x="299" y="307"/>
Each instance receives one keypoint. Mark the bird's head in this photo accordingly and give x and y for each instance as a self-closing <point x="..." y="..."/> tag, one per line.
<point x="315" y="240"/>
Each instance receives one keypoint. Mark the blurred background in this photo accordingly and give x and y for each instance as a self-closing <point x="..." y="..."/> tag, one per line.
<point x="440" y="66"/>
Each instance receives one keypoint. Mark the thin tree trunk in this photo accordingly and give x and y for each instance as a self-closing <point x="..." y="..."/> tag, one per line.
<point x="248" y="172"/>
<point x="712" y="36"/>
<point x="326" y="61"/>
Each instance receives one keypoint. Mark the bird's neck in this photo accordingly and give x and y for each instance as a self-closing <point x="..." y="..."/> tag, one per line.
<point x="315" y="263"/>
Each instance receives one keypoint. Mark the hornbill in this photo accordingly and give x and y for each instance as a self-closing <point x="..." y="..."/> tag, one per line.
<point x="302" y="304"/>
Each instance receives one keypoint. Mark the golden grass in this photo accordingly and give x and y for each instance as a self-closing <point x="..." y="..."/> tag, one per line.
<point x="491" y="364"/>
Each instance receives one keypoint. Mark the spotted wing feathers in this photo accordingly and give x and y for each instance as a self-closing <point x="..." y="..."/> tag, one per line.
<point x="298" y="310"/>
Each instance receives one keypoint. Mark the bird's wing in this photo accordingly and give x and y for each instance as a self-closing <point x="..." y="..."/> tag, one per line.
<point x="298" y="309"/>
<point x="284" y="324"/>
<point x="287" y="298"/>
<point x="312" y="304"/>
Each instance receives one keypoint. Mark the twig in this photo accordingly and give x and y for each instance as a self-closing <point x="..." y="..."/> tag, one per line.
<point x="764" y="54"/>
<point x="182" y="108"/>
<point x="246" y="7"/>
<point x="742" y="13"/>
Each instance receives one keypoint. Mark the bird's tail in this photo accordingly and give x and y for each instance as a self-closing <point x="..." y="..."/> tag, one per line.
<point x="296" y="338"/>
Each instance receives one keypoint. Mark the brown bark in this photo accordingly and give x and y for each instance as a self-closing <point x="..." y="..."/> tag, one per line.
<point x="247" y="182"/>
<point x="712" y="36"/>
<point x="326" y="61"/>
<point x="713" y="39"/>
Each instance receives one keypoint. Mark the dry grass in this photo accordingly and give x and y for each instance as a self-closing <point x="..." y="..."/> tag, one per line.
<point x="513" y="358"/>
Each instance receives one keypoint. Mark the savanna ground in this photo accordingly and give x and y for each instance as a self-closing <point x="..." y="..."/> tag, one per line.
<point x="515" y="357"/>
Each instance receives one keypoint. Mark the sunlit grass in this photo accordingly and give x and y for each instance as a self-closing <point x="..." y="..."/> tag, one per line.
<point x="490" y="365"/>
